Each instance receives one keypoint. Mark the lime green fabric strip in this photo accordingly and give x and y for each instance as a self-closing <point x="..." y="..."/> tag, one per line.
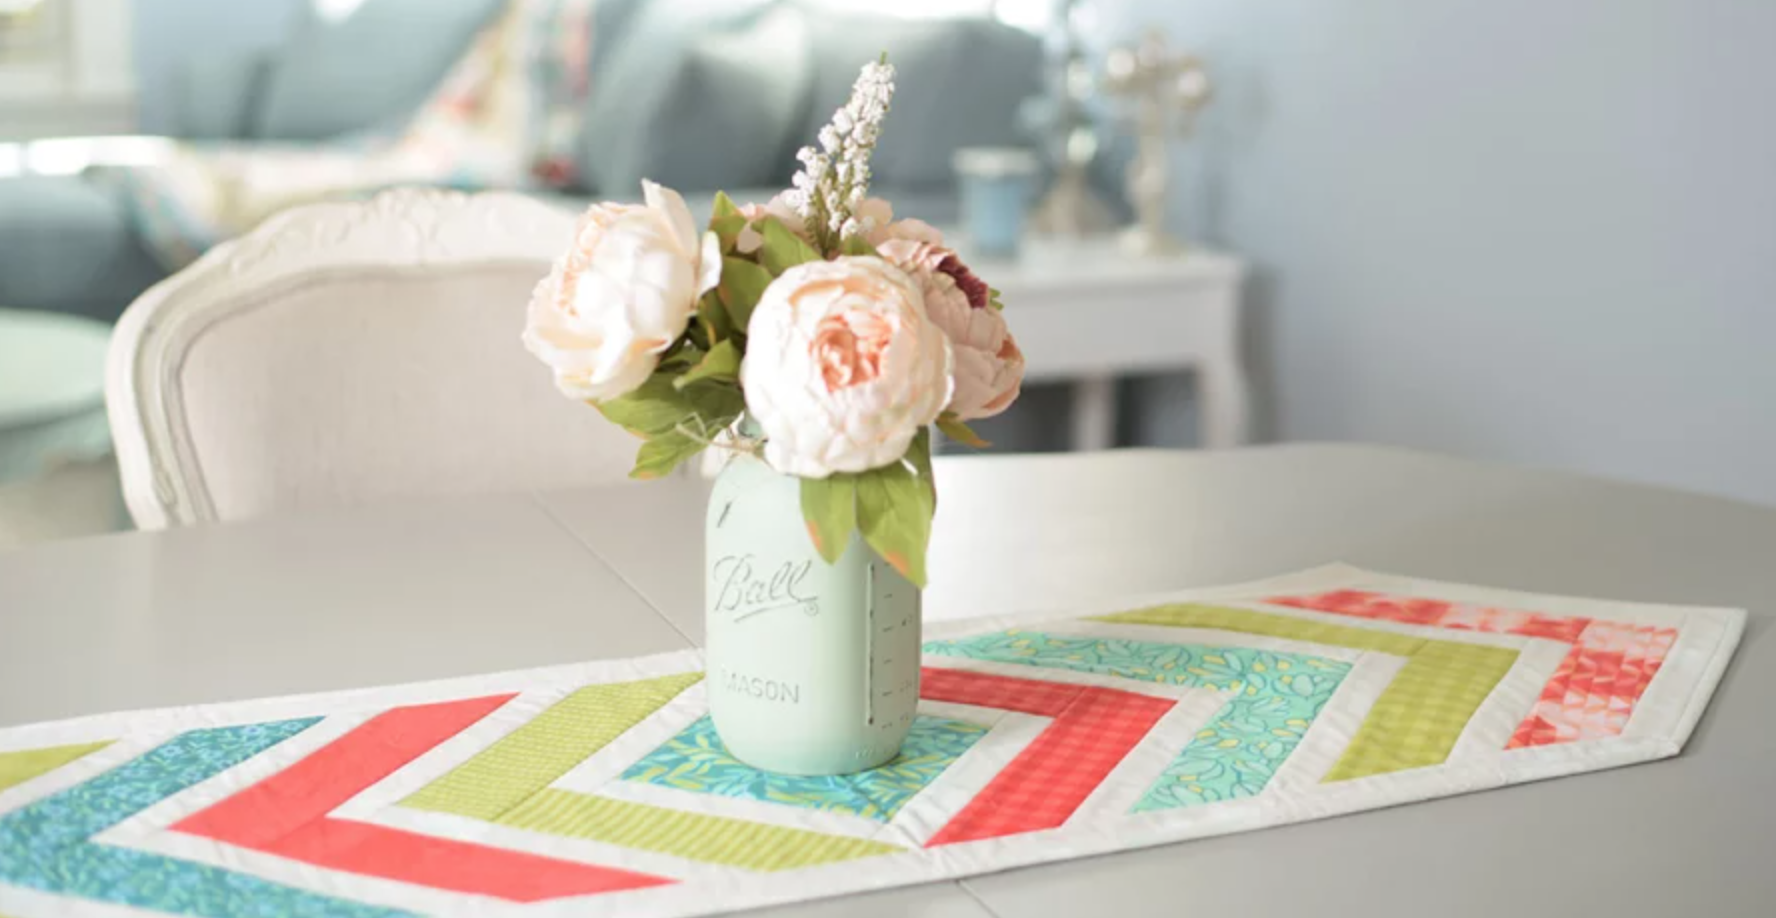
<point x="526" y="760"/>
<point x="1245" y="621"/>
<point x="693" y="836"/>
<point x="19" y="767"/>
<point x="1423" y="712"/>
<point x="1417" y="719"/>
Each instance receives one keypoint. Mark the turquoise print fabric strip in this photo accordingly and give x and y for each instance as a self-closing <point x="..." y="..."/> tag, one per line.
<point x="1239" y="750"/>
<point x="44" y="845"/>
<point x="1243" y="746"/>
<point x="695" y="760"/>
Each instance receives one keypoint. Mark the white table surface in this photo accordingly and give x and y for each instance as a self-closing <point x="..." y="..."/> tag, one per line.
<point x="429" y="590"/>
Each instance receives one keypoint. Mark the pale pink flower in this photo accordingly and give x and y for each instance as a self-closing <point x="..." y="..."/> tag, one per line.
<point x="750" y="238"/>
<point x="989" y="368"/>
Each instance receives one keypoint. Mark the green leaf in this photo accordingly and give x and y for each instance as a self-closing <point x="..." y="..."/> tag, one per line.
<point x="662" y="453"/>
<point x="682" y="357"/>
<point x="993" y="299"/>
<point x="856" y="245"/>
<point x="727" y="232"/>
<point x="723" y="207"/>
<point x="715" y="403"/>
<point x="894" y="510"/>
<point x="713" y="318"/>
<point x="721" y="363"/>
<point x="919" y="454"/>
<point x="782" y="249"/>
<point x="725" y="222"/>
<point x="653" y="408"/>
<point x="742" y="284"/>
<point x="953" y="428"/>
<point x="829" y="506"/>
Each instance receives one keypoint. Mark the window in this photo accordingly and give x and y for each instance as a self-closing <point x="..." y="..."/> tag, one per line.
<point x="33" y="43"/>
<point x="65" y="68"/>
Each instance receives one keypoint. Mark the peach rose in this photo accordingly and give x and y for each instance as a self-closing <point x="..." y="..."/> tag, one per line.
<point x="842" y="367"/>
<point x="989" y="367"/>
<point x="623" y="292"/>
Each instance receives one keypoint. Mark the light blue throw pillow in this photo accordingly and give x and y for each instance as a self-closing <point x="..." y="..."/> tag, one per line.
<point x="958" y="83"/>
<point x="699" y="95"/>
<point x="372" y="68"/>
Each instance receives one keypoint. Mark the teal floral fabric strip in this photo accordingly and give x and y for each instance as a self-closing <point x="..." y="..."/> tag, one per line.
<point x="1237" y="752"/>
<point x="696" y="760"/>
<point x="44" y="845"/>
<point x="1241" y="748"/>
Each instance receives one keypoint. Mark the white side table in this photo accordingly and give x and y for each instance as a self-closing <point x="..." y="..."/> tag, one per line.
<point x="1086" y="312"/>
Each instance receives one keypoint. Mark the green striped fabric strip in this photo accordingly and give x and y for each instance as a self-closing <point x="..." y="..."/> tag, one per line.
<point x="526" y="760"/>
<point x="694" y="836"/>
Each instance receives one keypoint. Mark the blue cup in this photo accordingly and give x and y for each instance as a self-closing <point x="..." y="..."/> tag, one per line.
<point x="997" y="185"/>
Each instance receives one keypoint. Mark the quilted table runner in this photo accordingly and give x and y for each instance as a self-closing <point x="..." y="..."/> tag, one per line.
<point x="602" y="789"/>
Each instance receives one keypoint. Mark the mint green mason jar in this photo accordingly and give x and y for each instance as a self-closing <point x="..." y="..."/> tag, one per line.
<point x="813" y="668"/>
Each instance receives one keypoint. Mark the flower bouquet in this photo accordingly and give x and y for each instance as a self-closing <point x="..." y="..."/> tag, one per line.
<point x="814" y="340"/>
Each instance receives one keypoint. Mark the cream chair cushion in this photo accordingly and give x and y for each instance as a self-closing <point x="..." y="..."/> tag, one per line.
<point x="348" y="353"/>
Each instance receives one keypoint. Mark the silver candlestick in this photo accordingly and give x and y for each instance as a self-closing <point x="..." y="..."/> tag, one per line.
<point x="1071" y="207"/>
<point x="1163" y="86"/>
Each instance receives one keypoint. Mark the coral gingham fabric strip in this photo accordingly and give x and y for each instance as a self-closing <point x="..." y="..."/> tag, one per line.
<point x="1592" y="693"/>
<point x="1093" y="729"/>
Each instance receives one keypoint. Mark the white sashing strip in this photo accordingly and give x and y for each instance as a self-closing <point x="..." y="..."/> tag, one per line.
<point x="546" y="844"/>
<point x="607" y="765"/>
<point x="931" y="809"/>
<point x="1331" y="732"/>
<point x="441" y="759"/>
<point x="226" y="783"/>
<point x="79" y="771"/>
<point x="786" y="815"/>
<point x="1130" y="780"/>
<point x="1497" y="718"/>
<point x="319" y="880"/>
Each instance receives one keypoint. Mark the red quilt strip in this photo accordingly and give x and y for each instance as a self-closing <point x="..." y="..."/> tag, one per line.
<point x="1094" y="729"/>
<point x="286" y="815"/>
<point x="1592" y="693"/>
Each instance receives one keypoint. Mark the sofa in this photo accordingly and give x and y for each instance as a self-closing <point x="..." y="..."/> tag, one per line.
<point x="697" y="94"/>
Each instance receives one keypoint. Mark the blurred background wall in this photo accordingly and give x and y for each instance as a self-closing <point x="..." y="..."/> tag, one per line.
<point x="1534" y="232"/>
<point x="1518" y="230"/>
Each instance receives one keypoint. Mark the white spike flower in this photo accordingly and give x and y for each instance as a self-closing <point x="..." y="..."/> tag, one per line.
<point x="834" y="179"/>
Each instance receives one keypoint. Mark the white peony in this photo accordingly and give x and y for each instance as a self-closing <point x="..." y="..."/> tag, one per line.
<point x="623" y="292"/>
<point x="842" y="367"/>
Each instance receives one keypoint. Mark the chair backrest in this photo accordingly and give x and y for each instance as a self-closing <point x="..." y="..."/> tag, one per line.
<point x="344" y="353"/>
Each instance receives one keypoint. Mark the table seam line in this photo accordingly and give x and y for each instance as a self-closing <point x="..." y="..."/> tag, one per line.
<point x="624" y="579"/>
<point x="976" y="896"/>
